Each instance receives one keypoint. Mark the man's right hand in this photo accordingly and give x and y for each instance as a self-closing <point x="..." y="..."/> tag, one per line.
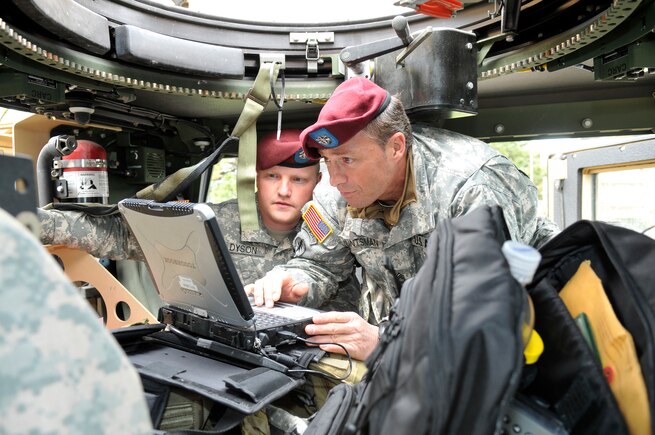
<point x="276" y="285"/>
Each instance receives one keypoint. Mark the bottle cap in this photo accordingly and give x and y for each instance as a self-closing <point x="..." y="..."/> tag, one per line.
<point x="523" y="260"/>
<point x="534" y="348"/>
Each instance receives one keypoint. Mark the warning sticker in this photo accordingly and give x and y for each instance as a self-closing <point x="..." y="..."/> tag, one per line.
<point x="87" y="184"/>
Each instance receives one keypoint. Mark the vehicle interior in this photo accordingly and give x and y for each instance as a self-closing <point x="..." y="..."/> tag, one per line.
<point x="160" y="86"/>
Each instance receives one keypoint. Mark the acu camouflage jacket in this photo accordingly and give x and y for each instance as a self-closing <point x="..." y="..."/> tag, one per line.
<point x="454" y="174"/>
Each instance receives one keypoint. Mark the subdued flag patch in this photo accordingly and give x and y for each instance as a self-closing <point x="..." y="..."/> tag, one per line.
<point x="316" y="224"/>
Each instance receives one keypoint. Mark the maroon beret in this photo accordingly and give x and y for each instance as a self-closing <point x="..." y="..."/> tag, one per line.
<point x="283" y="152"/>
<point x="354" y="103"/>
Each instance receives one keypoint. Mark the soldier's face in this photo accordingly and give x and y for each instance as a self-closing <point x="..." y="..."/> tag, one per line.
<point x="364" y="171"/>
<point x="282" y="192"/>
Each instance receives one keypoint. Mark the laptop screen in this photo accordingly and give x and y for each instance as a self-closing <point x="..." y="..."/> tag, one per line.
<point x="188" y="260"/>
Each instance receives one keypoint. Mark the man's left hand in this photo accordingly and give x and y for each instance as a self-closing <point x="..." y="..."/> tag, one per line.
<point x="346" y="328"/>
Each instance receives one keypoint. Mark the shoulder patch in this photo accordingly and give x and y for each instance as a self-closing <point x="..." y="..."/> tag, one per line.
<point x="316" y="223"/>
<point x="298" y="246"/>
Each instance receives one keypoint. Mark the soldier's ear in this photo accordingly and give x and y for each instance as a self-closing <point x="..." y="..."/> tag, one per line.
<point x="397" y="146"/>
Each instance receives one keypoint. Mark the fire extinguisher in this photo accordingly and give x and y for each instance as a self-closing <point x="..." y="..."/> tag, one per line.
<point x="83" y="174"/>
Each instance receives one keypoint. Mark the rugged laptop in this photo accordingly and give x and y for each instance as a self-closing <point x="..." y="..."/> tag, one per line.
<point x="195" y="276"/>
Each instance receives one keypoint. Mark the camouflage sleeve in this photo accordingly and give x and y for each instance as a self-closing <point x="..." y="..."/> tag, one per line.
<point x="327" y="267"/>
<point x="100" y="236"/>
<point x="546" y="230"/>
<point x="500" y="183"/>
<point x="61" y="370"/>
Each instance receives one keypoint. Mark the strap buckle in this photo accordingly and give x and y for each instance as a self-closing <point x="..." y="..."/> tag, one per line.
<point x="250" y="95"/>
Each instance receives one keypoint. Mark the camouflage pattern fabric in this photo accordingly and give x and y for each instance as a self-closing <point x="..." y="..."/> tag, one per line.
<point x="60" y="370"/>
<point x="290" y="414"/>
<point x="454" y="174"/>
<point x="254" y="252"/>
<point x="101" y="236"/>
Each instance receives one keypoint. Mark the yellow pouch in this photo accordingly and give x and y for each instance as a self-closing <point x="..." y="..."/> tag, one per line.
<point x="584" y="293"/>
<point x="337" y="365"/>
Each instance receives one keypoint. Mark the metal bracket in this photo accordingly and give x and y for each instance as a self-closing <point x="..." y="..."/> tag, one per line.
<point x="302" y="38"/>
<point x="311" y="41"/>
<point x="273" y="58"/>
<point x="61" y="189"/>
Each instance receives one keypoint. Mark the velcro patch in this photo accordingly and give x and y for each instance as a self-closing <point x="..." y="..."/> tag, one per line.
<point x="316" y="223"/>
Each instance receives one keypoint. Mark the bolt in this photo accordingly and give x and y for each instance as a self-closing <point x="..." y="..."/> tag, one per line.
<point x="60" y="189"/>
<point x="469" y="85"/>
<point x="499" y="128"/>
<point x="587" y="123"/>
<point x="345" y="55"/>
<point x="469" y="46"/>
<point x="509" y="38"/>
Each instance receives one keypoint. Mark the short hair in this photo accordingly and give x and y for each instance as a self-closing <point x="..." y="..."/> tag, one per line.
<point x="392" y="120"/>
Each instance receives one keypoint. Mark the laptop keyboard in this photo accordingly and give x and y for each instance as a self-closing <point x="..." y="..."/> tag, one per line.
<point x="269" y="320"/>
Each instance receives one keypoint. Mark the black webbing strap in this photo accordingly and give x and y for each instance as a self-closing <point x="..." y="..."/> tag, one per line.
<point x="575" y="403"/>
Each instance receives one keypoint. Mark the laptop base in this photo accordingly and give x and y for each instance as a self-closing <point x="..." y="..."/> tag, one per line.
<point x="206" y="328"/>
<point x="238" y="338"/>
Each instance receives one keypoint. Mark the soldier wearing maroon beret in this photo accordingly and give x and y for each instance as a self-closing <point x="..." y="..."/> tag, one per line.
<point x="286" y="178"/>
<point x="393" y="182"/>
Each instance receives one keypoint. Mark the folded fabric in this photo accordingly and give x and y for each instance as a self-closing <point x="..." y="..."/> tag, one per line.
<point x="584" y="293"/>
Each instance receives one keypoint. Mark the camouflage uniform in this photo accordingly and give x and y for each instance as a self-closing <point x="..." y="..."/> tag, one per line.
<point x="454" y="174"/>
<point x="60" y="370"/>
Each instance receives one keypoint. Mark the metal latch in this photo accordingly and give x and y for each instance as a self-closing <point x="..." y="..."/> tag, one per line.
<point x="312" y="50"/>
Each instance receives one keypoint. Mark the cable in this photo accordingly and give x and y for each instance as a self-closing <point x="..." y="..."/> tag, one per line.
<point x="182" y="334"/>
<point x="284" y="359"/>
<point x="319" y="373"/>
<point x="648" y="229"/>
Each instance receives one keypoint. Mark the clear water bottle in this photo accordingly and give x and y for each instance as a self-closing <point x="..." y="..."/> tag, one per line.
<point x="523" y="261"/>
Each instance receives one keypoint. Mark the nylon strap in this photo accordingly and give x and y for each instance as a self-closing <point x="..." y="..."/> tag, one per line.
<point x="245" y="128"/>
<point x="256" y="101"/>
<point x="171" y="186"/>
